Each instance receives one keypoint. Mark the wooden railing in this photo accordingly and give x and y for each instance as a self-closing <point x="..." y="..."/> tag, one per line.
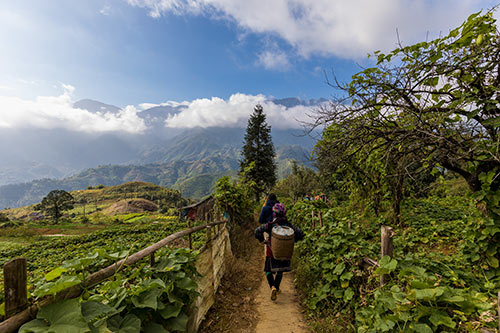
<point x="16" y="291"/>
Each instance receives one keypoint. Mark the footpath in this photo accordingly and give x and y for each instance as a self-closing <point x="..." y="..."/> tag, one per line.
<point x="282" y="315"/>
<point x="243" y="302"/>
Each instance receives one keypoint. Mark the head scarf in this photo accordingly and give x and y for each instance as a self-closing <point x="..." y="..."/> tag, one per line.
<point x="279" y="210"/>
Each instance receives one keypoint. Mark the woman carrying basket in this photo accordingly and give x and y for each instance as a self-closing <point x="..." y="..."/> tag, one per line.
<point x="274" y="268"/>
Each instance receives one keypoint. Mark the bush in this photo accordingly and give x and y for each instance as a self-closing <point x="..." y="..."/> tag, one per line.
<point x="84" y="219"/>
<point x="4" y="218"/>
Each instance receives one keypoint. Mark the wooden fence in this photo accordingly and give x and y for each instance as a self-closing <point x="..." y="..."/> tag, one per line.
<point x="210" y="264"/>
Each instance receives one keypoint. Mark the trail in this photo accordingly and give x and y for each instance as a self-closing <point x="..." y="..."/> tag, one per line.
<point x="282" y="315"/>
<point x="243" y="303"/>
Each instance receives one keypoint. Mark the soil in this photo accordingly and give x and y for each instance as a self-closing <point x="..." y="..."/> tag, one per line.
<point x="282" y="315"/>
<point x="127" y="206"/>
<point x="243" y="302"/>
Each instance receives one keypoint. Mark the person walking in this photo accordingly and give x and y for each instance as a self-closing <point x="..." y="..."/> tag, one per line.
<point x="266" y="214"/>
<point x="274" y="268"/>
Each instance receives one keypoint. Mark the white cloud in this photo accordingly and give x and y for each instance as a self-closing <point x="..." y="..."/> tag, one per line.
<point x="234" y="112"/>
<point x="50" y="112"/>
<point x="347" y="29"/>
<point x="145" y="106"/>
<point x="274" y="60"/>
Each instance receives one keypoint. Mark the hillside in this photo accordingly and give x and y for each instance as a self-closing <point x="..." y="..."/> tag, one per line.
<point x="105" y="197"/>
<point x="201" y="163"/>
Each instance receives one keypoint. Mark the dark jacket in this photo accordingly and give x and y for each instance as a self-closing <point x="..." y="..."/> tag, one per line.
<point x="266" y="214"/>
<point x="268" y="227"/>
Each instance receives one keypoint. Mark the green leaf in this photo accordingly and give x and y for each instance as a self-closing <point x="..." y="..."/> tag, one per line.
<point x="384" y="324"/>
<point x="420" y="328"/>
<point x="171" y="310"/>
<point x="348" y="294"/>
<point x="61" y="317"/>
<point x="428" y="294"/>
<point x="441" y="318"/>
<point x="93" y="310"/>
<point x="387" y="265"/>
<point x="147" y="299"/>
<point x="129" y="324"/>
<point x="34" y="326"/>
<point x="492" y="261"/>
<point x="55" y="273"/>
<point x="346" y="276"/>
<point x="154" y="328"/>
<point x="339" y="268"/>
<point x="187" y="284"/>
<point x="52" y="288"/>
<point x="179" y="323"/>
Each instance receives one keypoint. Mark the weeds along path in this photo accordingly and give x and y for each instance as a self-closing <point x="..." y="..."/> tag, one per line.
<point x="243" y="302"/>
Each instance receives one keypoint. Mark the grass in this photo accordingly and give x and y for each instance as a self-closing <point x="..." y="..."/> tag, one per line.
<point x="13" y="242"/>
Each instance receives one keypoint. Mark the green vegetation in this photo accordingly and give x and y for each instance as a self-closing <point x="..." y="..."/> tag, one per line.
<point x="97" y="232"/>
<point x="139" y="295"/>
<point x="429" y="105"/>
<point x="140" y="298"/>
<point x="414" y="145"/>
<point x="439" y="280"/>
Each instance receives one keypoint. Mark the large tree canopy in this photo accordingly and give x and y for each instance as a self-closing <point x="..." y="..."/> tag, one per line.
<point x="437" y="102"/>
<point x="56" y="202"/>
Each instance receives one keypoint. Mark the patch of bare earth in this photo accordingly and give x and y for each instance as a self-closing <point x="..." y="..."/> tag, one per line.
<point x="235" y="309"/>
<point x="127" y="206"/>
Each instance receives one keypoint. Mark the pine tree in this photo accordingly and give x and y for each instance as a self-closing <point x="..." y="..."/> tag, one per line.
<point x="258" y="166"/>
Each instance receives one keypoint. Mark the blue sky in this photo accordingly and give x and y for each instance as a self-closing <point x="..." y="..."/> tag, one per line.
<point x="128" y="52"/>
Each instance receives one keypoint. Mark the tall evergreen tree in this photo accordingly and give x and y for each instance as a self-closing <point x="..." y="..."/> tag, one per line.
<point x="258" y="166"/>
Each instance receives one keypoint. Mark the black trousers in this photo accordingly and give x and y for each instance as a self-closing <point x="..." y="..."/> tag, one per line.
<point x="274" y="281"/>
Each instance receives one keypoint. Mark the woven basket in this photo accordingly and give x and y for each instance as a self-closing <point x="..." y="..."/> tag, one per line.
<point x="282" y="246"/>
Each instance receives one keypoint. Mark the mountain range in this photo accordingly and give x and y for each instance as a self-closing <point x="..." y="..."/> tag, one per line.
<point x="35" y="161"/>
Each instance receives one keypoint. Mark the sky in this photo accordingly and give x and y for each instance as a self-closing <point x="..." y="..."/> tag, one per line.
<point x="215" y="56"/>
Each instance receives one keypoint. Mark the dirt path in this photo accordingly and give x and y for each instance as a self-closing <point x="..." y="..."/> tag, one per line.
<point x="282" y="315"/>
<point x="243" y="302"/>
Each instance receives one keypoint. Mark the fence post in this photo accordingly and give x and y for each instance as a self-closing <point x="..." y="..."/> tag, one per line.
<point x="16" y="297"/>
<point x="209" y="235"/>
<point x="387" y="248"/>
<point x="189" y="236"/>
<point x="498" y="309"/>
<point x="312" y="219"/>
<point x="152" y="259"/>
<point x="320" y="215"/>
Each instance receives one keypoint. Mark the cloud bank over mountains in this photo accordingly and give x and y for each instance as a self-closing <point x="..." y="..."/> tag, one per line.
<point x="51" y="112"/>
<point x="234" y="112"/>
<point x="346" y="29"/>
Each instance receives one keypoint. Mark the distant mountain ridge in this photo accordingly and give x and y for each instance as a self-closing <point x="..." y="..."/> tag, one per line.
<point x="35" y="161"/>
<point x="194" y="179"/>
